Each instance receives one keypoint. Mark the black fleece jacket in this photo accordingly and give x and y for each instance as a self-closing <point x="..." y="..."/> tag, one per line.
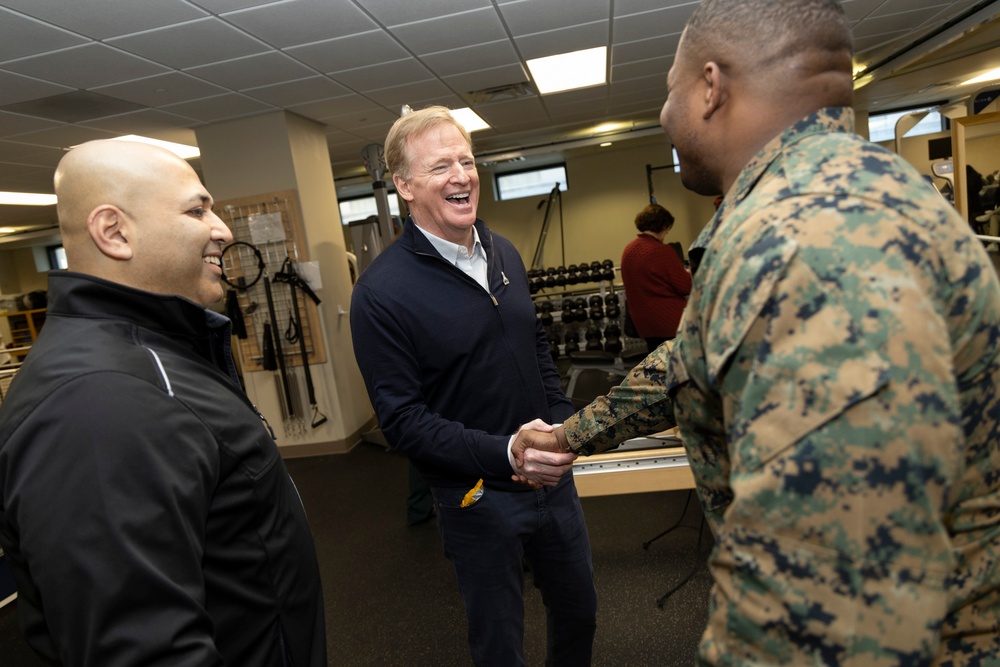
<point x="144" y="505"/>
<point x="453" y="370"/>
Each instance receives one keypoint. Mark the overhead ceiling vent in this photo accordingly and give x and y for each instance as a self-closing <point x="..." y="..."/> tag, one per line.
<point x="74" y="107"/>
<point x="496" y="93"/>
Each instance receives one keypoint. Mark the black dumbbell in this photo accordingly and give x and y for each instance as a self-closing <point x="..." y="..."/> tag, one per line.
<point x="608" y="270"/>
<point x="572" y="276"/>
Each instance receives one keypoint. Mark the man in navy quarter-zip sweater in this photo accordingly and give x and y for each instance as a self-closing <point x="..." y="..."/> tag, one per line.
<point x="455" y="362"/>
<point x="144" y="506"/>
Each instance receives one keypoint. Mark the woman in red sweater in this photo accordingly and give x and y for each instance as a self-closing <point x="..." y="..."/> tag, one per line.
<point x="656" y="282"/>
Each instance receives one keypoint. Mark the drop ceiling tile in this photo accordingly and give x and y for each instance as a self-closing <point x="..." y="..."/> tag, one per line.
<point x="576" y="98"/>
<point x="500" y="53"/>
<point x="101" y="19"/>
<point x="327" y="110"/>
<point x="222" y="107"/>
<point x="73" y="107"/>
<point x="642" y="85"/>
<point x="448" y="100"/>
<point x="884" y="25"/>
<point x="650" y="24"/>
<point x="13" y="124"/>
<point x="502" y="113"/>
<point x="384" y="75"/>
<point x="148" y="122"/>
<point x="553" y="42"/>
<point x="223" y="6"/>
<point x="64" y="136"/>
<point x="22" y="36"/>
<point x="451" y="32"/>
<point x="351" y="122"/>
<point x="900" y="6"/>
<point x="626" y="7"/>
<point x="394" y="12"/>
<point x="86" y="66"/>
<point x="531" y="16"/>
<point x="863" y="44"/>
<point x="488" y="78"/>
<point x="15" y="88"/>
<point x="653" y="97"/>
<point x="298" y="92"/>
<point x="31" y="155"/>
<point x="645" y="49"/>
<point x="632" y="70"/>
<point x="412" y="93"/>
<point x="262" y="69"/>
<point x="634" y="109"/>
<point x="162" y="89"/>
<point x="353" y="51"/>
<point x="296" y="22"/>
<point x="200" y="42"/>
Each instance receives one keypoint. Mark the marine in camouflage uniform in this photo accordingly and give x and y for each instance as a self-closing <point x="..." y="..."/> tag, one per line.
<point x="835" y="381"/>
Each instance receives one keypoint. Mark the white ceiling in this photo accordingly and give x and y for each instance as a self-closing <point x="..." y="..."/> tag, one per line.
<point x="81" y="70"/>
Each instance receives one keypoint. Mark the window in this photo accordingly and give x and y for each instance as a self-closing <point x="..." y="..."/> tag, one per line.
<point x="57" y="257"/>
<point x="360" y="208"/>
<point x="882" y="127"/>
<point x="531" y="182"/>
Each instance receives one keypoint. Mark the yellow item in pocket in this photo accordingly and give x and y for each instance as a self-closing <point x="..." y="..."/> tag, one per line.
<point x="474" y="494"/>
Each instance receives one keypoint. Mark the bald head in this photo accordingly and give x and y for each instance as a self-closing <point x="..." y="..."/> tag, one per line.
<point x="115" y="173"/>
<point x="139" y="215"/>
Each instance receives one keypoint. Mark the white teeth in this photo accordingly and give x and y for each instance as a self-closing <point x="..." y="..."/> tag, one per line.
<point x="213" y="260"/>
<point x="464" y="195"/>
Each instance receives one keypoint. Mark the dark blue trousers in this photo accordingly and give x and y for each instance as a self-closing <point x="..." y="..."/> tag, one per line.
<point x="487" y="543"/>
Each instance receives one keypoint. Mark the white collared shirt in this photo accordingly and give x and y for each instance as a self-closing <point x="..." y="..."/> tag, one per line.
<point x="473" y="265"/>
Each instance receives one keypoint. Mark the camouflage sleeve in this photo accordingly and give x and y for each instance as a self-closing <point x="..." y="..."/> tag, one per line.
<point x="638" y="406"/>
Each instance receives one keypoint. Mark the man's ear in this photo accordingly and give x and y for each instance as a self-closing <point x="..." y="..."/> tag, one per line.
<point x="402" y="187"/>
<point x="715" y="89"/>
<point x="106" y="226"/>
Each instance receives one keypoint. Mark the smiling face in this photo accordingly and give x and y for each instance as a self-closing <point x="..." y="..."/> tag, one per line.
<point x="442" y="188"/>
<point x="178" y="239"/>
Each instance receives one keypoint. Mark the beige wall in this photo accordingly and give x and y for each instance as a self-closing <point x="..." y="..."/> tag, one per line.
<point x="607" y="187"/>
<point x="18" y="273"/>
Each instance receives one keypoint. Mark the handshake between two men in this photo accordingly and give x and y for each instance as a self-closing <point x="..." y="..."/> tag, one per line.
<point x="540" y="454"/>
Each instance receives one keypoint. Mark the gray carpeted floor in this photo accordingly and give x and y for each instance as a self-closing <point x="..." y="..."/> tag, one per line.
<point x="391" y="597"/>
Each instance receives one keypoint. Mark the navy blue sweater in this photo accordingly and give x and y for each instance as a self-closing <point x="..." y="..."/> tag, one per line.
<point x="452" y="370"/>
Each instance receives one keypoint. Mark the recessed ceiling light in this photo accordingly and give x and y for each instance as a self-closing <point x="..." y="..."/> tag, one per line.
<point x="605" y="144"/>
<point x="183" y="151"/>
<point x="992" y="75"/>
<point x="567" y="71"/>
<point x="26" y="199"/>
<point x="469" y="119"/>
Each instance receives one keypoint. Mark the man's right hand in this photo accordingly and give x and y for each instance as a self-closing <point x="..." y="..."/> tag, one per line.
<point x="538" y="457"/>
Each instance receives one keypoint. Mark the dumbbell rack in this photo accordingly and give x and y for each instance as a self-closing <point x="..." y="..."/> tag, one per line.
<point x="581" y="311"/>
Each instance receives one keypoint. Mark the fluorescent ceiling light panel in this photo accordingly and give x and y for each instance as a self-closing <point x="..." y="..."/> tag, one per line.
<point x="568" y="71"/>
<point x="992" y="75"/>
<point x="26" y="199"/>
<point x="181" y="150"/>
<point x="469" y="119"/>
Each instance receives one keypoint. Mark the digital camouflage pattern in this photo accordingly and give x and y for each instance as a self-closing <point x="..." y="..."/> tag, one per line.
<point x="835" y="381"/>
